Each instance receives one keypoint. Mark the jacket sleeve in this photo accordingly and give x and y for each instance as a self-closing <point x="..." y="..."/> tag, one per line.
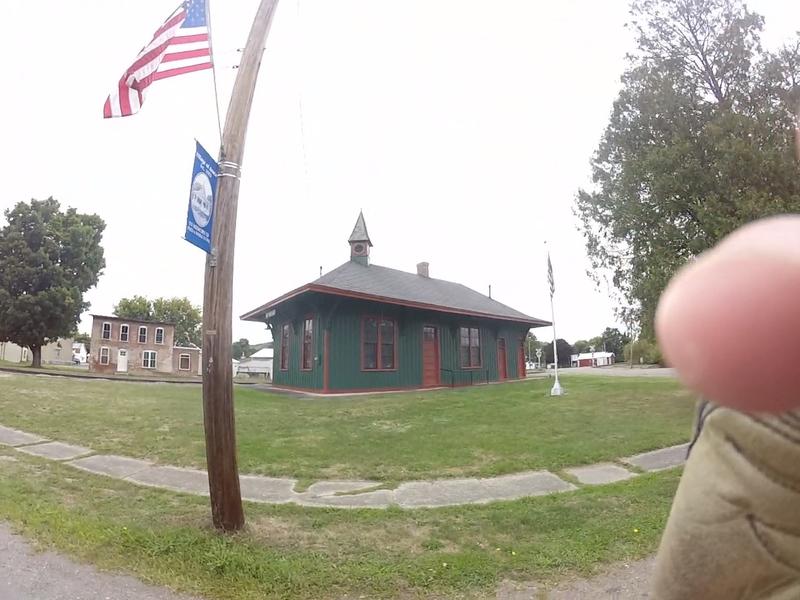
<point x="734" y="528"/>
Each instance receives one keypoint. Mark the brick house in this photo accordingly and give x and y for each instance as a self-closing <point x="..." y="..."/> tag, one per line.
<point x="139" y="347"/>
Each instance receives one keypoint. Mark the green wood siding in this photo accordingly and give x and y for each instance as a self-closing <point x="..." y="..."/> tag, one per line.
<point x="345" y="344"/>
<point x="343" y="318"/>
<point x="294" y="376"/>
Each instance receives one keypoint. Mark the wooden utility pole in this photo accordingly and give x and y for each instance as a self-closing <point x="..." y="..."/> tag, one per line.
<point x="223" y="474"/>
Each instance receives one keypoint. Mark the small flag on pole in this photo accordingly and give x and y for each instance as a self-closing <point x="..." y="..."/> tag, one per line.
<point x="550" y="279"/>
<point x="181" y="45"/>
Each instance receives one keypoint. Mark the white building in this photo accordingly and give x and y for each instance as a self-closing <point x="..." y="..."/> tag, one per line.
<point x="79" y="354"/>
<point x="259" y="363"/>
<point x="592" y="359"/>
<point x="54" y="353"/>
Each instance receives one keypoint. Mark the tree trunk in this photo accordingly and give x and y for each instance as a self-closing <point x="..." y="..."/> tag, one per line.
<point x="36" y="354"/>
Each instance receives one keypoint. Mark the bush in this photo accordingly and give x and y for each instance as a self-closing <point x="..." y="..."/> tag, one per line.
<point x="644" y="352"/>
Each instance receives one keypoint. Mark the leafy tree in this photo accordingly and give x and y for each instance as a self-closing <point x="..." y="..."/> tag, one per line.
<point x="644" y="352"/>
<point x="565" y="353"/>
<point x="85" y="339"/>
<point x="581" y="346"/>
<point x="596" y="342"/>
<point x="700" y="141"/>
<point x="135" y="307"/>
<point x="613" y="340"/>
<point x="242" y="348"/>
<point x="48" y="259"/>
<point x="187" y="317"/>
<point x="532" y="345"/>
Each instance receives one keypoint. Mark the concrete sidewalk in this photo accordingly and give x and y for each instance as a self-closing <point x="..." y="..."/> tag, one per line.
<point x="348" y="494"/>
<point x="29" y="575"/>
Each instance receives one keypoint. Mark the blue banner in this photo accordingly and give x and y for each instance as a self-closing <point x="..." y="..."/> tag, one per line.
<point x="201" y="199"/>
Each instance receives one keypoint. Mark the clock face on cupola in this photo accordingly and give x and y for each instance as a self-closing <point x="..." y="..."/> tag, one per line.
<point x="360" y="242"/>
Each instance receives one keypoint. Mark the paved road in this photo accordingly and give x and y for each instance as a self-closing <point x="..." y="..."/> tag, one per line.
<point x="29" y="575"/>
<point x="621" y="371"/>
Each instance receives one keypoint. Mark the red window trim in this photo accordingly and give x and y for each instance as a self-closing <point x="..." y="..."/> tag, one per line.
<point x="285" y="347"/>
<point x="379" y="318"/>
<point x="480" y="349"/>
<point x="309" y="317"/>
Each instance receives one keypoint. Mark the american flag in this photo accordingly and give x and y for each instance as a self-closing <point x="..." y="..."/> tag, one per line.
<point x="550" y="279"/>
<point x="179" y="46"/>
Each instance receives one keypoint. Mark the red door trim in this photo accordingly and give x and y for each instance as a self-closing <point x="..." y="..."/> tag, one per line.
<point x="502" y="360"/>
<point x="326" y="366"/>
<point x="437" y="355"/>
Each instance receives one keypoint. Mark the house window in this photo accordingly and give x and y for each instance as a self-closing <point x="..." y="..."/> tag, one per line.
<point x="106" y="334"/>
<point x="378" y="344"/>
<point x="285" y="347"/>
<point x="24" y="354"/>
<point x="159" y="335"/>
<point x="149" y="359"/>
<point x="124" y="331"/>
<point x="142" y="334"/>
<point x="308" y="344"/>
<point x="470" y="347"/>
<point x="184" y="362"/>
<point x="104" y="356"/>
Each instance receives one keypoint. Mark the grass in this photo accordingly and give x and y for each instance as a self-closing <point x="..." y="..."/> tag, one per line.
<point x="290" y="552"/>
<point x="83" y="372"/>
<point x="481" y="431"/>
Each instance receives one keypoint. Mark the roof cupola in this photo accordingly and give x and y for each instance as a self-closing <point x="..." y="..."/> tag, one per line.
<point x="360" y="242"/>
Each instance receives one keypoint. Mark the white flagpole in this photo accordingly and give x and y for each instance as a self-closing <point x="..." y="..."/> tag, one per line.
<point x="556" y="389"/>
<point x="213" y="68"/>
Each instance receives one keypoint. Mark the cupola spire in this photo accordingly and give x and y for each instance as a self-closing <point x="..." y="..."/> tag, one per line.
<point x="360" y="242"/>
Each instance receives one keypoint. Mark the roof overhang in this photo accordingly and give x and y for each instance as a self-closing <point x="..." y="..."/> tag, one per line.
<point x="260" y="314"/>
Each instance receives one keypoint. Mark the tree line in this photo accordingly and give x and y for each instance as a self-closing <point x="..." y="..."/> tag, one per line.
<point x="49" y="258"/>
<point x="701" y="140"/>
<point x="611" y="340"/>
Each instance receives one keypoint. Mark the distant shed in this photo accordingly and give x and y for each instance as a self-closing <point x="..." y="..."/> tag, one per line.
<point x="592" y="359"/>
<point x="259" y="363"/>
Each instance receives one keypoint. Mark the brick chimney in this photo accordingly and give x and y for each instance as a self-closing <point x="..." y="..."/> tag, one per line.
<point x="422" y="269"/>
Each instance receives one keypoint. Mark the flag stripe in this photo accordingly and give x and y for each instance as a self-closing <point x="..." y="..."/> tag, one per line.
<point x="180" y="71"/>
<point x="173" y="56"/>
<point x="176" y="20"/>
<point x="187" y="39"/>
<point x="152" y="57"/>
<point x="180" y="45"/>
<point x="124" y="99"/>
<point x="186" y="62"/>
<point x="187" y="46"/>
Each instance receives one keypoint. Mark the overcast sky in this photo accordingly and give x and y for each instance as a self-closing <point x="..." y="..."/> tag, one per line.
<point x="462" y="128"/>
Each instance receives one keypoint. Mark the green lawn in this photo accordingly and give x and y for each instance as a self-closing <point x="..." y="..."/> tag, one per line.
<point x="483" y="431"/>
<point x="83" y="371"/>
<point x="290" y="552"/>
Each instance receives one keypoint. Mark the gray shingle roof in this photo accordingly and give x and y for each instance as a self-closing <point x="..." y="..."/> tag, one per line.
<point x="389" y="283"/>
